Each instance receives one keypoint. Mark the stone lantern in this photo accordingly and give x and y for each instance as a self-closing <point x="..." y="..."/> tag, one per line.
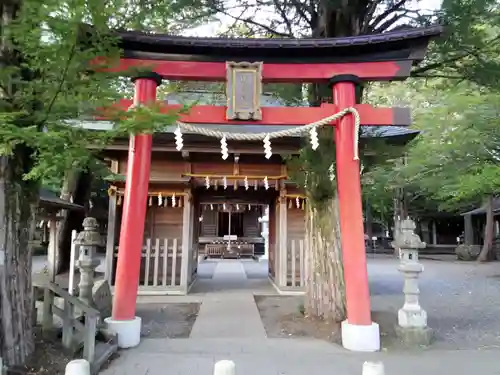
<point x="412" y="319"/>
<point x="264" y="221"/>
<point x="87" y="240"/>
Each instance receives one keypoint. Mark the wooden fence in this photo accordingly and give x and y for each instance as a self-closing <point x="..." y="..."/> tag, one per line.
<point x="161" y="264"/>
<point x="75" y="334"/>
<point x="289" y="267"/>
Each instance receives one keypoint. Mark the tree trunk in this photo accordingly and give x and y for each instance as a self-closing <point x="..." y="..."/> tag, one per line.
<point x="489" y="230"/>
<point x="325" y="289"/>
<point x="17" y="225"/>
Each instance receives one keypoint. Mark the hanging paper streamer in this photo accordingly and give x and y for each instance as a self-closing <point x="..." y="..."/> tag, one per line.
<point x="90" y="204"/>
<point x="266" y="183"/>
<point x="150" y="202"/>
<point x="224" y="206"/>
<point x="297" y="202"/>
<point x="289" y="204"/>
<point x="314" y="138"/>
<point x="246" y="183"/>
<point x="249" y="207"/>
<point x="179" y="144"/>
<point x="165" y="203"/>
<point x="235" y="186"/>
<point x="207" y="182"/>
<point x="223" y="148"/>
<point x="255" y="185"/>
<point x="119" y="200"/>
<point x="71" y="199"/>
<point x="224" y="182"/>
<point x="268" y="152"/>
<point x="216" y="184"/>
<point x="160" y="200"/>
<point x="200" y="219"/>
<point x="174" y="201"/>
<point x="211" y="206"/>
<point x="237" y="207"/>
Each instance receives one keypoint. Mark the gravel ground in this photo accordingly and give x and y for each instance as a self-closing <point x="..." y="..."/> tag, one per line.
<point x="167" y="320"/>
<point x="458" y="297"/>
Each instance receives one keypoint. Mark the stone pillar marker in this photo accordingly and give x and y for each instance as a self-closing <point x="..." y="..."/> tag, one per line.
<point x="412" y="319"/>
<point x="264" y="221"/>
<point x="88" y="240"/>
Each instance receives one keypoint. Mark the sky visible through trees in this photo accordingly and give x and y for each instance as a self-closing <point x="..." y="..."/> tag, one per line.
<point x="212" y="28"/>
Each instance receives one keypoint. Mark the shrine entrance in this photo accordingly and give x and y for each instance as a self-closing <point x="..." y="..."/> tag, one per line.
<point x="245" y="65"/>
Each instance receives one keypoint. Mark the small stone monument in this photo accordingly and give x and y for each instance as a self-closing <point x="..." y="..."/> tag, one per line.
<point x="412" y="319"/>
<point x="102" y="297"/>
<point x="88" y="240"/>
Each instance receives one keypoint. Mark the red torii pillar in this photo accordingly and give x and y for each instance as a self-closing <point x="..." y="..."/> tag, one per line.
<point x="359" y="333"/>
<point x="123" y="320"/>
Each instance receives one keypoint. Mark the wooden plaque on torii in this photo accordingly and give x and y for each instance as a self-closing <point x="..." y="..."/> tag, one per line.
<point x="243" y="90"/>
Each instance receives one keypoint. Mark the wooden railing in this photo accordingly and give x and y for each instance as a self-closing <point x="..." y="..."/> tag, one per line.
<point x="295" y="263"/>
<point x="236" y="250"/>
<point x="74" y="332"/>
<point x="161" y="263"/>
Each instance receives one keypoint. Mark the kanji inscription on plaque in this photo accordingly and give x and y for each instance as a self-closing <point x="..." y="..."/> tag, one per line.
<point x="243" y="90"/>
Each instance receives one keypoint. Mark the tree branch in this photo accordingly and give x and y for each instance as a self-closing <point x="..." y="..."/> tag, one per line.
<point x="283" y="15"/>
<point x="390" y="10"/>
<point x="252" y="22"/>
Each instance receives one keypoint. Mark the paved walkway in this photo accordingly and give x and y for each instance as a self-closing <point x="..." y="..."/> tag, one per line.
<point x="221" y="316"/>
<point x="229" y="327"/>
<point x="289" y="357"/>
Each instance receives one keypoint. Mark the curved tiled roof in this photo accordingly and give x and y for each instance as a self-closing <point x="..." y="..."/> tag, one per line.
<point x="407" y="44"/>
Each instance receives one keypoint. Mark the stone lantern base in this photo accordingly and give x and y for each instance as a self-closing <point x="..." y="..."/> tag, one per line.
<point x="414" y="336"/>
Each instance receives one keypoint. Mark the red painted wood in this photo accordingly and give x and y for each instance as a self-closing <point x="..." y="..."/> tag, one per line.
<point x="208" y="114"/>
<point x="134" y="213"/>
<point x="216" y="71"/>
<point x="350" y="212"/>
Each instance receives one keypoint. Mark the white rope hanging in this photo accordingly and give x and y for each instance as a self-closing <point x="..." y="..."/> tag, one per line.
<point x="266" y="137"/>
<point x="179" y="143"/>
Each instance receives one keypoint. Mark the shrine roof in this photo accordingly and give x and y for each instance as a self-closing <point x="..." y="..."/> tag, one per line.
<point x="51" y="202"/>
<point x="405" y="44"/>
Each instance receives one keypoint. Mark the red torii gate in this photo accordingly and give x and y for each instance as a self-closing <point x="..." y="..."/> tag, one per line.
<point x="343" y="62"/>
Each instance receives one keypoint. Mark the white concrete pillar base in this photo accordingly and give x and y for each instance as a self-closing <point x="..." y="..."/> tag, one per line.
<point x="360" y="338"/>
<point x="78" y="367"/>
<point x="128" y="331"/>
<point x="225" y="367"/>
<point x="373" y="368"/>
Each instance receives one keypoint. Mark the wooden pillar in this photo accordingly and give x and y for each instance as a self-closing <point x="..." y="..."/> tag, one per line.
<point x="187" y="231"/>
<point x="283" y="238"/>
<point x="358" y="331"/>
<point x="134" y="212"/>
<point x="110" y="238"/>
<point x="53" y="248"/>
<point x="468" y="230"/>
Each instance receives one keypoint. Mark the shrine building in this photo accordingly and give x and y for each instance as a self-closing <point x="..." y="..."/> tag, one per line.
<point x="217" y="185"/>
